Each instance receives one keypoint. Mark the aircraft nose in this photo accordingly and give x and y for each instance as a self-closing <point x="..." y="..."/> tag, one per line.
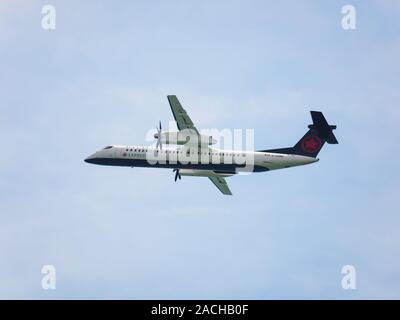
<point x="90" y="159"/>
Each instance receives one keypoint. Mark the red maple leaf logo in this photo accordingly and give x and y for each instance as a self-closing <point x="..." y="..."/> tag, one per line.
<point x="311" y="144"/>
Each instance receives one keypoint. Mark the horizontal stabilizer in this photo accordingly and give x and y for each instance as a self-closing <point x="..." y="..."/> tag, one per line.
<point x="324" y="130"/>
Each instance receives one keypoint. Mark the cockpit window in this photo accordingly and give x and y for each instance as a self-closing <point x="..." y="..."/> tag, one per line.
<point x="108" y="147"/>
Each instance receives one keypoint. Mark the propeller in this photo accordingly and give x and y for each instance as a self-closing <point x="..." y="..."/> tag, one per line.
<point x="158" y="137"/>
<point x="177" y="174"/>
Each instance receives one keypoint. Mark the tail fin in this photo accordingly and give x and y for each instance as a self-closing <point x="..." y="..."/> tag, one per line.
<point x="312" y="142"/>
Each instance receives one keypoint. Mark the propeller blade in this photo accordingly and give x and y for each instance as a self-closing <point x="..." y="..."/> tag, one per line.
<point x="159" y="144"/>
<point x="177" y="174"/>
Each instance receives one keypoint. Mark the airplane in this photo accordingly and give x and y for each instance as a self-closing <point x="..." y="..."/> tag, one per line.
<point x="192" y="154"/>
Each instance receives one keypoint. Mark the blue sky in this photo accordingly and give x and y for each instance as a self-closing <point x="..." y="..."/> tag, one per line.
<point x="102" y="77"/>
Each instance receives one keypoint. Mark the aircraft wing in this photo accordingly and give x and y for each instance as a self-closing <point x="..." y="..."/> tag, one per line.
<point x="182" y="119"/>
<point x="221" y="184"/>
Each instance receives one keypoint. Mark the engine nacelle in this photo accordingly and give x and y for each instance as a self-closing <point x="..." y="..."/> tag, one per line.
<point x="184" y="137"/>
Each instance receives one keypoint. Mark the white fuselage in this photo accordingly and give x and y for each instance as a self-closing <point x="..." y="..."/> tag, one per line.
<point x="208" y="159"/>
